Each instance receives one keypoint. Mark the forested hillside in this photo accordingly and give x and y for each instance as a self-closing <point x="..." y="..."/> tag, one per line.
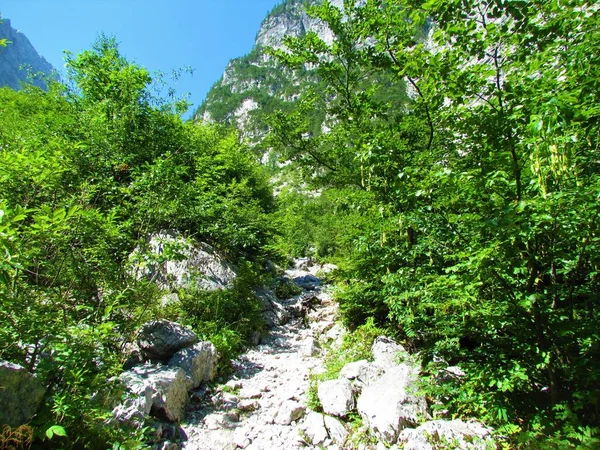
<point x="87" y="175"/>
<point x="466" y="221"/>
<point x="443" y="154"/>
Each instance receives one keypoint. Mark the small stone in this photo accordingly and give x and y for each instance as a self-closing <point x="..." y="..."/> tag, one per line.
<point x="248" y="405"/>
<point x="232" y="416"/>
<point x="234" y="385"/>
<point x="288" y="412"/>
<point x="246" y="393"/>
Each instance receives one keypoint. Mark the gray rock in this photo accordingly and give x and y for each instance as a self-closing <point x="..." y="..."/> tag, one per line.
<point x="288" y="412"/>
<point x="310" y="347"/>
<point x="174" y="262"/>
<point x="20" y="394"/>
<point x="308" y="282"/>
<point x="336" y="397"/>
<point x="273" y="311"/>
<point x="250" y="392"/>
<point x="336" y="334"/>
<point x="391" y="403"/>
<point x="161" y="339"/>
<point x="19" y="60"/>
<point x="134" y="356"/>
<point x="442" y="434"/>
<point x="361" y="372"/>
<point x="314" y="428"/>
<point x="138" y="403"/>
<point x="336" y="430"/>
<point x="169" y="390"/>
<point x="198" y="362"/>
<point x="387" y="353"/>
<point x="240" y="438"/>
<point x="248" y="405"/>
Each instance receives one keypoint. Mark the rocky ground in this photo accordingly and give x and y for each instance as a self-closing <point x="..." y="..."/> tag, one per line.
<point x="263" y="404"/>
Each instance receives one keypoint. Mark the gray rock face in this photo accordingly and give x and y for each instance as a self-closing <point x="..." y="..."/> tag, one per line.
<point x="173" y="262"/>
<point x="157" y="390"/>
<point x="19" y="59"/>
<point x="20" y="394"/>
<point x="138" y="403"/>
<point x="336" y="397"/>
<point x="439" y="434"/>
<point x="273" y="82"/>
<point x="291" y="21"/>
<point x="273" y="311"/>
<point x="161" y="339"/>
<point x="198" y="362"/>
<point x="391" y="404"/>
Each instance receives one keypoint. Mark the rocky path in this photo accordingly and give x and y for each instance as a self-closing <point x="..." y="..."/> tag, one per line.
<point x="263" y="404"/>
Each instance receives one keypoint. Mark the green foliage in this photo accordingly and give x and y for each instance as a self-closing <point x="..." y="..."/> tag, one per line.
<point x="228" y="318"/>
<point x="355" y="346"/>
<point x="482" y="195"/>
<point x="87" y="173"/>
<point x="287" y="289"/>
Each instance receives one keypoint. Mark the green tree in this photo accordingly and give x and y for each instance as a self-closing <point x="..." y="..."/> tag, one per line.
<point x="486" y="185"/>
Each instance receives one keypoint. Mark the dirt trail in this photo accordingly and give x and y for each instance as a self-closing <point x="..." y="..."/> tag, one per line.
<point x="262" y="405"/>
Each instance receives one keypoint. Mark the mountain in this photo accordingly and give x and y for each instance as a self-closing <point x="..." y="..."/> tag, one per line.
<point x="256" y="85"/>
<point x="19" y="59"/>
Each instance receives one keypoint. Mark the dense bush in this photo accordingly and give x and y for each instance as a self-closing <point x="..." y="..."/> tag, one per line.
<point x="87" y="173"/>
<point x="484" y="248"/>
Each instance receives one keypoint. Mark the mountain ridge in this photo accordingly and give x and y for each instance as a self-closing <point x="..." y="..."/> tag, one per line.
<point x="19" y="60"/>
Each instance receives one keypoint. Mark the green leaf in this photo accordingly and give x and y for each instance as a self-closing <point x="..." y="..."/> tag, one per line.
<point x="55" y="430"/>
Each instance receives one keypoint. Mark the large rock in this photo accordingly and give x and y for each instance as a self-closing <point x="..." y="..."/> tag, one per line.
<point x="391" y="403"/>
<point x="20" y="394"/>
<point x="273" y="311"/>
<point x="442" y="434"/>
<point x="198" y="362"/>
<point x="157" y="390"/>
<point x="387" y="353"/>
<point x="314" y="428"/>
<point x="336" y="397"/>
<point x="336" y="430"/>
<point x="362" y="373"/>
<point x="161" y="339"/>
<point x="138" y="402"/>
<point x="169" y="390"/>
<point x="173" y="262"/>
<point x="307" y="282"/>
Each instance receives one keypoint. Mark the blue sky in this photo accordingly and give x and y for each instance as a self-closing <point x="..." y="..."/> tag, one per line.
<point x="160" y="35"/>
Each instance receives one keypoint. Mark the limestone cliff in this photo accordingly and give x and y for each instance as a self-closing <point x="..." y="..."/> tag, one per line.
<point x="19" y="61"/>
<point x="255" y="85"/>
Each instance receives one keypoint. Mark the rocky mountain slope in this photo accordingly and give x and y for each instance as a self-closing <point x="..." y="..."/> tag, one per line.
<point x="19" y="60"/>
<point x="256" y="85"/>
